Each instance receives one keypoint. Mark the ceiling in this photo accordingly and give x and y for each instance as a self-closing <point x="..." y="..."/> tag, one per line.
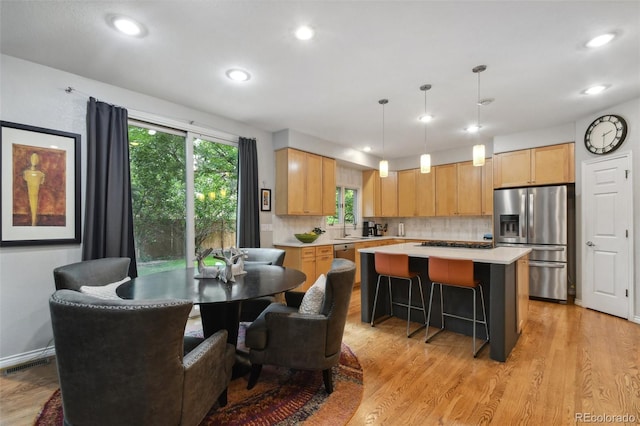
<point x="363" y="51"/>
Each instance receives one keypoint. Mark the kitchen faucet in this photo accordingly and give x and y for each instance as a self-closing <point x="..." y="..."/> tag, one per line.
<point x="344" y="223"/>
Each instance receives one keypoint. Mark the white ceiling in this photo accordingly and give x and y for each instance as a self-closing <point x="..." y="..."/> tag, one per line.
<point x="363" y="51"/>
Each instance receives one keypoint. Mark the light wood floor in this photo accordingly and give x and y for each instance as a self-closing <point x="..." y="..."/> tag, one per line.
<point x="569" y="361"/>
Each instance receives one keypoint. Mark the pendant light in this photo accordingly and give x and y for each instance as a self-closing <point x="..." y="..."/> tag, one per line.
<point x="425" y="159"/>
<point x="478" y="149"/>
<point x="384" y="164"/>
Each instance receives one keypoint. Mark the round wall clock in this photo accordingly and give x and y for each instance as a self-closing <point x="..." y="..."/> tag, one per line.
<point x="605" y="134"/>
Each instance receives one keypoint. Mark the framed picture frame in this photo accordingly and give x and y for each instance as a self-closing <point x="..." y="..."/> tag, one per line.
<point x="265" y="200"/>
<point x="40" y="189"/>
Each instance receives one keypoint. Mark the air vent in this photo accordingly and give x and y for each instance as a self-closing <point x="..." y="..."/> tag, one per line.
<point x="17" y="368"/>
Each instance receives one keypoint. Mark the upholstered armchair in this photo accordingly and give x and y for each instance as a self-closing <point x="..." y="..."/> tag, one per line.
<point x="96" y="272"/>
<point x="284" y="336"/>
<point x="259" y="256"/>
<point x="121" y="362"/>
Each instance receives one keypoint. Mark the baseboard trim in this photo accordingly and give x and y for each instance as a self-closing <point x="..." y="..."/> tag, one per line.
<point x="23" y="358"/>
<point x="578" y="302"/>
<point x="636" y="319"/>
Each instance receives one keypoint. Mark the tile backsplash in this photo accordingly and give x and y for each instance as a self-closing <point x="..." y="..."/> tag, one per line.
<point x="470" y="228"/>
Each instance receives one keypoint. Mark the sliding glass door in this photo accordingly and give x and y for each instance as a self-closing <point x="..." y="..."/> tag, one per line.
<point x="180" y="206"/>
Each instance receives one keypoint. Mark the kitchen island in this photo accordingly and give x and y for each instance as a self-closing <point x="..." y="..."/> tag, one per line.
<point x="495" y="267"/>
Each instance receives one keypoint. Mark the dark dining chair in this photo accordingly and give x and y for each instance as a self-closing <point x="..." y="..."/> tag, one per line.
<point x="122" y="362"/>
<point x="250" y="309"/>
<point x="284" y="336"/>
<point x="97" y="272"/>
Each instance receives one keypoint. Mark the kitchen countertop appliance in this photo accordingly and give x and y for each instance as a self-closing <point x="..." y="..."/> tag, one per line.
<point x="368" y="227"/>
<point x="540" y="218"/>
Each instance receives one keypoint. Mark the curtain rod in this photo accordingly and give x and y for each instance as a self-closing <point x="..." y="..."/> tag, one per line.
<point x="181" y="124"/>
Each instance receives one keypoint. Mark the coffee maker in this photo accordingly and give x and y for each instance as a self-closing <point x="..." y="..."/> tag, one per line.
<point x="368" y="228"/>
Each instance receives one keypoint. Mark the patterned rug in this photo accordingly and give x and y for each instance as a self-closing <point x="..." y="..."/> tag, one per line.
<point x="281" y="397"/>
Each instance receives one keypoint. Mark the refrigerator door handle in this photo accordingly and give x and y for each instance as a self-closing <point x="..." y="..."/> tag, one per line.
<point x="523" y="215"/>
<point x="531" y="217"/>
<point x="547" y="265"/>
<point x="543" y="248"/>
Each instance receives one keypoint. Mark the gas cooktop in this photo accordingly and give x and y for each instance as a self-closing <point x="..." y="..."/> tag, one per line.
<point x="458" y="244"/>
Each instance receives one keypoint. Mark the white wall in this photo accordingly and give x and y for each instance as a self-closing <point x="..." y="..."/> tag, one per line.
<point x="630" y="111"/>
<point x="34" y="95"/>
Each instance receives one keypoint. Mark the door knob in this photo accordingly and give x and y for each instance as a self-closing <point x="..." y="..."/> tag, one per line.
<point x="590" y="244"/>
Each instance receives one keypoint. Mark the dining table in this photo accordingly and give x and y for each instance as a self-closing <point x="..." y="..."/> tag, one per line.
<point x="219" y="302"/>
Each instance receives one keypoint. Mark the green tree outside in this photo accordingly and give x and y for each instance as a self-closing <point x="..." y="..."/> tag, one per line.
<point x="158" y="180"/>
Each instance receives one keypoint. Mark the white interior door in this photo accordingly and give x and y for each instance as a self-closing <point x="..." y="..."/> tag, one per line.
<point x="607" y="214"/>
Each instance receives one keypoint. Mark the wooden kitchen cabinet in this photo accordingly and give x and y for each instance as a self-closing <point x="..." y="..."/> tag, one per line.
<point x="446" y="190"/>
<point x="300" y="183"/>
<point x="379" y="195"/>
<point x="312" y="261"/>
<point x="522" y="294"/>
<point x="407" y="191"/>
<point x="370" y="193"/>
<point x="469" y="189"/>
<point x="425" y="193"/>
<point x="487" y="188"/>
<point x="545" y="165"/>
<point x="328" y="186"/>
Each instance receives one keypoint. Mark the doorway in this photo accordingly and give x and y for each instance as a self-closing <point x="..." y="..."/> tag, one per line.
<point x="607" y="234"/>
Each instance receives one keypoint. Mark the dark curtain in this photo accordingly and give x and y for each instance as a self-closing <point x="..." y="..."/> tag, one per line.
<point x="108" y="225"/>
<point x="248" y="228"/>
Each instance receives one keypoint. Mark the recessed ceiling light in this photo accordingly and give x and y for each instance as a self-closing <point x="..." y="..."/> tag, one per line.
<point x="127" y="26"/>
<point x="236" y="74"/>
<point x="425" y="118"/>
<point x="594" y="90"/>
<point x="600" y="40"/>
<point x="304" y="32"/>
<point x="367" y="149"/>
<point x="473" y="128"/>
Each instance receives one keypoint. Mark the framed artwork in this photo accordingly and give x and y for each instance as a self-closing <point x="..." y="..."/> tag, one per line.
<point x="265" y="200"/>
<point x="40" y="189"/>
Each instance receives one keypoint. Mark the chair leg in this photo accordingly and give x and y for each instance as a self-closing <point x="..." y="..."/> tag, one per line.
<point x="409" y="307"/>
<point x="390" y="298"/>
<point x="222" y="399"/>
<point x="427" y="337"/>
<point x="256" y="369"/>
<point x="328" y="380"/>
<point x="375" y="302"/>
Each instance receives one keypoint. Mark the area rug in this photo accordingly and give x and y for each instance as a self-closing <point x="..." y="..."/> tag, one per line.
<point x="281" y="397"/>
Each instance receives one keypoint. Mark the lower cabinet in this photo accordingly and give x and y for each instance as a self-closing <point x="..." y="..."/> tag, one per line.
<point x="367" y="244"/>
<point x="312" y="261"/>
<point x="522" y="283"/>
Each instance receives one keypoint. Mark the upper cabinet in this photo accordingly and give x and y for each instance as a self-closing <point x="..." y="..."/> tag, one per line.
<point x="487" y="187"/>
<point x="416" y="193"/>
<point x="328" y="186"/>
<point x="536" y="166"/>
<point x="302" y="183"/>
<point x="446" y="189"/>
<point x="449" y="190"/>
<point x="469" y="190"/>
<point x="379" y="195"/>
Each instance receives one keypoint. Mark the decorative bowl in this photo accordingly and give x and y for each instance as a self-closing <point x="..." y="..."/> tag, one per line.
<point x="307" y="238"/>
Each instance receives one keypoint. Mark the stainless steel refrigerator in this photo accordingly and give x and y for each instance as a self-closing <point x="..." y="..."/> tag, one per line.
<point x="538" y="217"/>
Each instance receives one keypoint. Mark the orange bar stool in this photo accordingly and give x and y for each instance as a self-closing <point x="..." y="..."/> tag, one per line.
<point x="397" y="266"/>
<point x="456" y="273"/>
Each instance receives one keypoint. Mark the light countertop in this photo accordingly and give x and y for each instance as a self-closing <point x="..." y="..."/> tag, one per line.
<point x="500" y="255"/>
<point x="324" y="241"/>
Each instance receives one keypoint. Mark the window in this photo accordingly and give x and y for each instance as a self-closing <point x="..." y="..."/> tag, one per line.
<point x="168" y="224"/>
<point x="346" y="207"/>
